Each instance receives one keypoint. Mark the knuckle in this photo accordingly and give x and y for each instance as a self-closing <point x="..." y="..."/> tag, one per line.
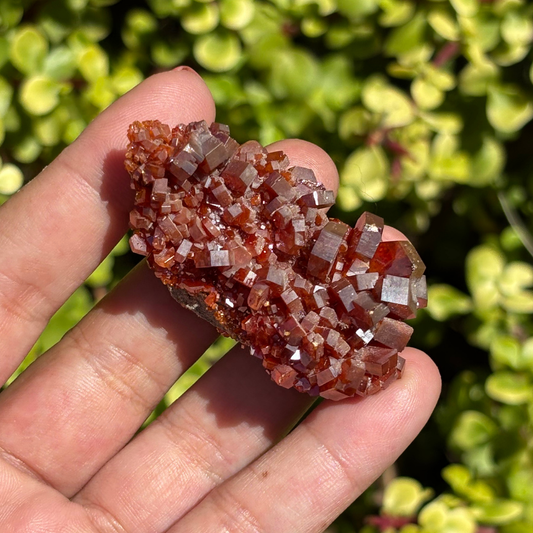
<point x="117" y="369"/>
<point x="234" y="515"/>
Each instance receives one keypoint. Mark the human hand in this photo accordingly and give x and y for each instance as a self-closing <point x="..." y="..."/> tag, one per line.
<point x="69" y="458"/>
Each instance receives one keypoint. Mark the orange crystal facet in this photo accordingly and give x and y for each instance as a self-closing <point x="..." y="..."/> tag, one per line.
<point x="243" y="233"/>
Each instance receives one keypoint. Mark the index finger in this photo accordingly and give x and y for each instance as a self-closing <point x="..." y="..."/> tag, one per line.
<point x="62" y="224"/>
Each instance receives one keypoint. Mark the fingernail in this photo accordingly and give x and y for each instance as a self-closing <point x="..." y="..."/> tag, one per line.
<point x="187" y="69"/>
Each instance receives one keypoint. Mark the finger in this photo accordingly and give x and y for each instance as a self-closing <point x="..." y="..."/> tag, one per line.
<point x="79" y="403"/>
<point x="64" y="222"/>
<point x="98" y="385"/>
<point x="309" y="478"/>
<point x="308" y="155"/>
<point x="229" y="417"/>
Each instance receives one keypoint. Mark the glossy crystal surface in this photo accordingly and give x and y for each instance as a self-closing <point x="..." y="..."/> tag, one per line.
<point x="243" y="235"/>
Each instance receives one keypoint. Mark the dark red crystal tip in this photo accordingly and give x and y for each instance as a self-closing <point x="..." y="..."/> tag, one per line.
<point x="240" y="237"/>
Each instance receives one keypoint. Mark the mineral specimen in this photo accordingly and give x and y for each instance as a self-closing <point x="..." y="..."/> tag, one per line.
<point x="241" y="238"/>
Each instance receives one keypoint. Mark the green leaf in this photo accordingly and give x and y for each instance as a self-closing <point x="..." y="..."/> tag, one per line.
<point x="519" y="302"/>
<point x="60" y="63"/>
<point x="395" y="12"/>
<point x="508" y="108"/>
<point x="508" y="387"/>
<point x="466" y="8"/>
<point x="139" y="28"/>
<point x="516" y="276"/>
<point x="103" y="274"/>
<point x="96" y="24"/>
<point x="425" y="94"/>
<point x="126" y="78"/>
<point x="448" y="123"/>
<point x="440" y="78"/>
<point x="39" y="95"/>
<point x="516" y="28"/>
<point x="476" y="79"/>
<point x="236" y="14"/>
<point x="510" y="54"/>
<point x="348" y="199"/>
<point x="28" y="50"/>
<point x="367" y="171"/>
<point x="49" y="129"/>
<point x="200" y="18"/>
<point x="445" y="301"/>
<point x="520" y="482"/>
<point x="510" y="240"/>
<point x="218" y="52"/>
<point x="27" y="149"/>
<point x="101" y="93"/>
<point x="444" y="24"/>
<point x="462" y="483"/>
<point x="295" y="74"/>
<point x="408" y="37"/>
<point x="11" y="179"/>
<point x="93" y="63"/>
<point x="403" y="496"/>
<point x="122" y="247"/>
<point x="498" y="512"/>
<point x="313" y="27"/>
<point x="506" y="350"/>
<point x="472" y="429"/>
<point x="10" y="13"/>
<point x="361" y="8"/>
<point x="391" y="104"/>
<point x="168" y="54"/>
<point x="446" y="162"/>
<point x="527" y="354"/>
<point x="6" y="96"/>
<point x="415" y="166"/>
<point x="484" y="266"/>
<point x="357" y="121"/>
<point x="437" y="517"/>
<point x="488" y="163"/>
<point x="337" y="83"/>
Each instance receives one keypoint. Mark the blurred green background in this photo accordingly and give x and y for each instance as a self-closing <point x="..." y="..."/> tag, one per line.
<point x="425" y="106"/>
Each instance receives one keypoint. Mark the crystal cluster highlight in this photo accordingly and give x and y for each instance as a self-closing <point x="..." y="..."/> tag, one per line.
<point x="241" y="237"/>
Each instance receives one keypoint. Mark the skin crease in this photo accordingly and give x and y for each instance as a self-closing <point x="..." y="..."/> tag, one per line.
<point x="219" y="458"/>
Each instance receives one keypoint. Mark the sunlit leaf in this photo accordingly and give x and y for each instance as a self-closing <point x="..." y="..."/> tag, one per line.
<point x="467" y="8"/>
<point x="218" y="52"/>
<point x="506" y="350"/>
<point x="426" y="95"/>
<point x="236" y="14"/>
<point x="444" y="24"/>
<point x="200" y="18"/>
<point x="39" y="94"/>
<point x="445" y="301"/>
<point x="11" y="179"/>
<point x="392" y="105"/>
<point x="408" y="37"/>
<point x="403" y="497"/>
<point x="28" y="50"/>
<point x="508" y="109"/>
<point x="509" y="387"/>
<point x="367" y="170"/>
<point x="516" y="28"/>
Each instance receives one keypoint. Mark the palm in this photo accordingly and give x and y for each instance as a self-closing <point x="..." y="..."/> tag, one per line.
<point x="68" y="462"/>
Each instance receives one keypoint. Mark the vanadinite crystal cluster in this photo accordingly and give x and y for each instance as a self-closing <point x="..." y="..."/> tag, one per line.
<point x="241" y="237"/>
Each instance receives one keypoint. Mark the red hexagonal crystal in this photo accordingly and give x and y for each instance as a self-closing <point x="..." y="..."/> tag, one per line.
<point x="239" y="236"/>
